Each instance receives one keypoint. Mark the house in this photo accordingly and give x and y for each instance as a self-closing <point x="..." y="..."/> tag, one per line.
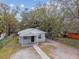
<point x="31" y="35"/>
<point x="2" y="36"/>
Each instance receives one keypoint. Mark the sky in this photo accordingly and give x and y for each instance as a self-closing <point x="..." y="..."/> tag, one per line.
<point x="23" y="3"/>
<point x="30" y="4"/>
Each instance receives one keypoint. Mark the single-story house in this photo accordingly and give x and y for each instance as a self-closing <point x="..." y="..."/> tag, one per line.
<point x="31" y="35"/>
<point x="2" y="36"/>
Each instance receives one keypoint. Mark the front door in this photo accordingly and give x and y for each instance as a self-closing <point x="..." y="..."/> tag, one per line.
<point x="32" y="38"/>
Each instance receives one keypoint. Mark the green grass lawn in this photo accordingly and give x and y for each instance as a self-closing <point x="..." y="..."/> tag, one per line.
<point x="10" y="48"/>
<point x="68" y="41"/>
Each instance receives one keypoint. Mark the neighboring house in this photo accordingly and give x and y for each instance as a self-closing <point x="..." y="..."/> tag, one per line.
<point x="31" y="35"/>
<point x="2" y="36"/>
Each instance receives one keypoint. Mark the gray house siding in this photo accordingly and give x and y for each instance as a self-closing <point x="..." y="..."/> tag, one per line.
<point x="42" y="39"/>
<point x="24" y="41"/>
<point x="20" y="39"/>
<point x="28" y="40"/>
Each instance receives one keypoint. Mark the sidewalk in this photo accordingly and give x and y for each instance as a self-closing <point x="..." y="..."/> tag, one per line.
<point x="40" y="52"/>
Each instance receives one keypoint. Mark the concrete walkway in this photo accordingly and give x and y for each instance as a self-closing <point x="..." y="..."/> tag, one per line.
<point x="40" y="52"/>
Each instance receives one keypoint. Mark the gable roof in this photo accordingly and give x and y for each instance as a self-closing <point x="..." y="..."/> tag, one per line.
<point x="30" y="32"/>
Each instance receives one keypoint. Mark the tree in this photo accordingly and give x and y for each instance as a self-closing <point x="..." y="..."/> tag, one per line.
<point x="2" y="26"/>
<point x="39" y="18"/>
<point x="54" y="18"/>
<point x="9" y="18"/>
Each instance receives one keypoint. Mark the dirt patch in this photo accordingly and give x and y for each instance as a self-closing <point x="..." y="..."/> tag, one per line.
<point x="47" y="49"/>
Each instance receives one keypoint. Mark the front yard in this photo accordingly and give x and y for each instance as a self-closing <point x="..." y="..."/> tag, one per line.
<point x="48" y="49"/>
<point x="54" y="49"/>
<point x="68" y="41"/>
<point x="9" y="48"/>
<point x="58" y="50"/>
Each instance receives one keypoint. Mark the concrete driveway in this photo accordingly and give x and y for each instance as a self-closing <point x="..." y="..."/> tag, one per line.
<point x="63" y="51"/>
<point x="27" y="53"/>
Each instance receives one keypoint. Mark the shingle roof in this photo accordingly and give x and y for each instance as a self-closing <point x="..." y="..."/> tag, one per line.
<point x="30" y="32"/>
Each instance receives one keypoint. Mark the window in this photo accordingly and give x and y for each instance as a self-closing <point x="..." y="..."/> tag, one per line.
<point x="25" y="37"/>
<point x="39" y="36"/>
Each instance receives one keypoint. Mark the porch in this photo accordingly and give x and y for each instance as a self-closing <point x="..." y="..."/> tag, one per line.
<point x="27" y="40"/>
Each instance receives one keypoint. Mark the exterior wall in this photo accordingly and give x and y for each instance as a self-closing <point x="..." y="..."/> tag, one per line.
<point x="20" y="39"/>
<point x="42" y="38"/>
<point x="28" y="40"/>
<point x="23" y="41"/>
<point x="35" y="39"/>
